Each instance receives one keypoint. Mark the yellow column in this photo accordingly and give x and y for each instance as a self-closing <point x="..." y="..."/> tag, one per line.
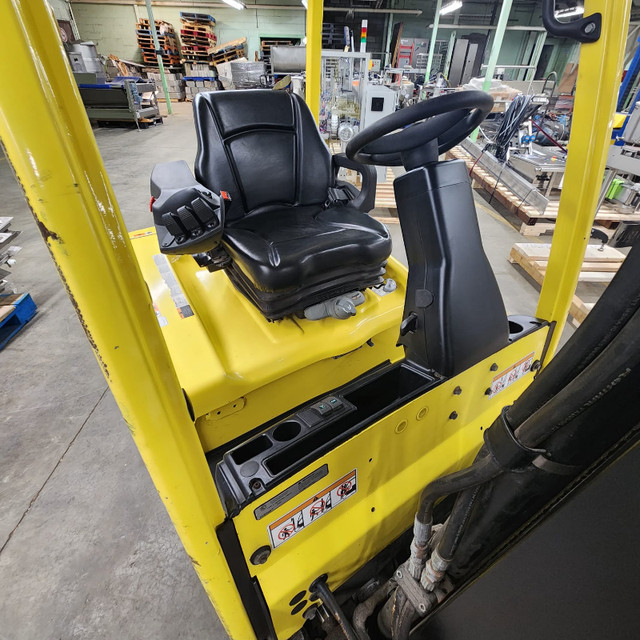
<point x="48" y="140"/>
<point x="314" y="53"/>
<point x="599" y="76"/>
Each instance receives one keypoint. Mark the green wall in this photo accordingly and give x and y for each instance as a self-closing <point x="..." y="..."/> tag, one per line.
<point x="112" y="27"/>
<point x="514" y="44"/>
<point x="60" y="9"/>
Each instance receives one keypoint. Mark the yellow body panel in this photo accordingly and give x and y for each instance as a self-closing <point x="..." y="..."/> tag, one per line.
<point x="395" y="458"/>
<point x="226" y="352"/>
<point x="599" y="73"/>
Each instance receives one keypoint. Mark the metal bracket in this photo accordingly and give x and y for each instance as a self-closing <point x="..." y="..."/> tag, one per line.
<point x="412" y="589"/>
<point x="585" y="29"/>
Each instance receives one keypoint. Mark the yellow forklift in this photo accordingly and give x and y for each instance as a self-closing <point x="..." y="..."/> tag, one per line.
<point x="347" y="448"/>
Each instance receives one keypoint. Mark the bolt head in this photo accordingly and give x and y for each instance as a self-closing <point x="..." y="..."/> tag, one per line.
<point x="261" y="555"/>
<point x="590" y="27"/>
<point x="422" y="608"/>
<point x="453" y="415"/>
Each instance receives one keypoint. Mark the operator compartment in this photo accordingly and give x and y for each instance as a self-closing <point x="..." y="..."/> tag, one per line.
<point x="316" y="367"/>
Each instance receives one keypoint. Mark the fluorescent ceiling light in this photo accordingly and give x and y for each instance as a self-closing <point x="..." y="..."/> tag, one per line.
<point x="304" y="4"/>
<point x="236" y="4"/>
<point x="451" y="7"/>
<point x="569" y="13"/>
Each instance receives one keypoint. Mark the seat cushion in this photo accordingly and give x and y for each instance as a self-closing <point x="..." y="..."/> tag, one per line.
<point x="293" y="247"/>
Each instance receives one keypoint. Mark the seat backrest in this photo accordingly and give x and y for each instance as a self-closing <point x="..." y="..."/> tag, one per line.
<point x="262" y="147"/>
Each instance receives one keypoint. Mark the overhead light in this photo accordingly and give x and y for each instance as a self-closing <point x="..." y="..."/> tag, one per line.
<point x="304" y="4"/>
<point x="451" y="7"/>
<point x="236" y="4"/>
<point x="569" y="13"/>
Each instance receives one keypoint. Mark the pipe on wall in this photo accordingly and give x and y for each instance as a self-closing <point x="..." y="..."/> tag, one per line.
<point x="220" y="5"/>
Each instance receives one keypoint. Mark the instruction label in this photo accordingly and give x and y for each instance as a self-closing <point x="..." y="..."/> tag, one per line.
<point x="314" y="508"/>
<point x="507" y="377"/>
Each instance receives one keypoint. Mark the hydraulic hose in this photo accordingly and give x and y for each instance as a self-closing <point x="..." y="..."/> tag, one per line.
<point x="591" y="364"/>
<point x="322" y="590"/>
<point x="511" y="500"/>
<point x="620" y="300"/>
<point x="481" y="471"/>
<point x="365" y="609"/>
<point x="610" y="370"/>
<point x="614" y="363"/>
<point x="457" y="523"/>
<point x="402" y="617"/>
<point x="619" y="303"/>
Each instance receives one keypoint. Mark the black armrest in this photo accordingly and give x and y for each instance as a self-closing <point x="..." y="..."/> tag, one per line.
<point x="366" y="199"/>
<point x="189" y="218"/>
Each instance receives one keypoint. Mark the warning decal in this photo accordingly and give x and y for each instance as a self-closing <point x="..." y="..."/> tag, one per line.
<point x="308" y="512"/>
<point x="177" y="295"/>
<point x="510" y="375"/>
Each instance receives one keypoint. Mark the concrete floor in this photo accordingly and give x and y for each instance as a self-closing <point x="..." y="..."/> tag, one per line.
<point x="86" y="547"/>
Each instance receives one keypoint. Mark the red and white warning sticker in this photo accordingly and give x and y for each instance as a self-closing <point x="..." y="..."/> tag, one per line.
<point x="507" y="377"/>
<point x="308" y="512"/>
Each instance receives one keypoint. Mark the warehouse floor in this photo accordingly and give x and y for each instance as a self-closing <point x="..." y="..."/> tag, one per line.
<point x="86" y="547"/>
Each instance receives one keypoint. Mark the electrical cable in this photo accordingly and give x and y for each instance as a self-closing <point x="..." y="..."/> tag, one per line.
<point x="521" y="108"/>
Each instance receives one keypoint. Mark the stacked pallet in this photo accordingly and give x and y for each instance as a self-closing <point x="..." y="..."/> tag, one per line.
<point x="233" y="50"/>
<point x="167" y="40"/>
<point x="198" y="39"/>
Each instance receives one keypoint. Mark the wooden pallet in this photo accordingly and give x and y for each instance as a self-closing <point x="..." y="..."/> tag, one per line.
<point x="198" y="39"/>
<point x="599" y="266"/>
<point x="231" y="45"/>
<point x="197" y="18"/>
<point x="227" y="56"/>
<point x="209" y="39"/>
<point x="15" y="311"/>
<point x="385" y="196"/>
<point x="534" y="222"/>
<point x="196" y="48"/>
<point x="166" y="39"/>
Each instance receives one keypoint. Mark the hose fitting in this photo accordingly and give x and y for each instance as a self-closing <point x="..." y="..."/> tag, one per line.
<point x="433" y="571"/>
<point x="419" y="548"/>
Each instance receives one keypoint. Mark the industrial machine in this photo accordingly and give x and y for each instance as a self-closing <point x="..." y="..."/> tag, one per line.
<point x="121" y="100"/>
<point x="344" y="79"/>
<point x="349" y="449"/>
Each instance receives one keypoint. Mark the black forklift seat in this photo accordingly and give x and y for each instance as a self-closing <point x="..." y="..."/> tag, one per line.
<point x="295" y="234"/>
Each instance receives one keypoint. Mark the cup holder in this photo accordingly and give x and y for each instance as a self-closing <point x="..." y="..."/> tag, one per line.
<point x="286" y="431"/>
<point x="515" y="327"/>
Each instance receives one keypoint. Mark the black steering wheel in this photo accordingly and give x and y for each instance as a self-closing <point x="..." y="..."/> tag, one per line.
<point x="445" y="121"/>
